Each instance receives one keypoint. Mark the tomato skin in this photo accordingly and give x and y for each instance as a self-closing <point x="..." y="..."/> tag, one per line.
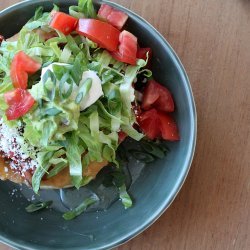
<point x="157" y="124"/>
<point x="63" y="22"/>
<point x="27" y="64"/>
<point x="157" y="96"/>
<point x="149" y="124"/>
<point x="1" y="39"/>
<point x="121" y="136"/>
<point x="99" y="32"/>
<point x="20" y="102"/>
<point x="21" y="65"/>
<point x="12" y="96"/>
<point x="115" y="17"/>
<point x="124" y="59"/>
<point x="150" y="95"/>
<point x="168" y="127"/>
<point x="142" y="54"/>
<point x="19" y="77"/>
<point x="127" y="48"/>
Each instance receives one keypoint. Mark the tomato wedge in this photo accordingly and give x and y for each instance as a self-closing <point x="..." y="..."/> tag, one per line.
<point x="115" y="17"/>
<point x="63" y="22"/>
<point x="142" y="54"/>
<point x="20" y="102"/>
<point x="149" y="124"/>
<point x="127" y="48"/>
<point x="18" y="76"/>
<point x="168" y="127"/>
<point x="27" y="64"/>
<point x="121" y="136"/>
<point x="1" y="39"/>
<point x="157" y="96"/>
<point x="99" y="32"/>
<point x="157" y="124"/>
<point x="21" y="66"/>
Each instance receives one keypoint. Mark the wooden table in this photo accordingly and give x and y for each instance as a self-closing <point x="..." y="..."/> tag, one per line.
<point x="212" y="39"/>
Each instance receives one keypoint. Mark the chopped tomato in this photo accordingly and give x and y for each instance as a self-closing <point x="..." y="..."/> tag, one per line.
<point x="115" y="17"/>
<point x="27" y="64"/>
<point x="157" y="96"/>
<point x="121" y="136"/>
<point x="1" y="39"/>
<point x="127" y="48"/>
<point x="12" y="96"/>
<point x="18" y="76"/>
<point x="20" y="102"/>
<point x="157" y="124"/>
<point x="99" y="32"/>
<point x="21" y="65"/>
<point x="168" y="127"/>
<point x="149" y="124"/>
<point x="63" y="22"/>
<point x="142" y="54"/>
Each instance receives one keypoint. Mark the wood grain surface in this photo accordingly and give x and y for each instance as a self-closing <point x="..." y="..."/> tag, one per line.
<point x="212" y="38"/>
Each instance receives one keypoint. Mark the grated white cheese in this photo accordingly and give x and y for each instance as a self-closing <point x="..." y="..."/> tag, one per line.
<point x="11" y="142"/>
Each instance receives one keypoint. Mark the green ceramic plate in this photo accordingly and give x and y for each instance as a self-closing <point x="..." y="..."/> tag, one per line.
<point x="153" y="191"/>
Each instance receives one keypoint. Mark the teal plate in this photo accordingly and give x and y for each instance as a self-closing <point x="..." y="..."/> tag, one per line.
<point x="154" y="190"/>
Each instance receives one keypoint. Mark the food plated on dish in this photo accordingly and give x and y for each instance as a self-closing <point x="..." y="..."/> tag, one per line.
<point x="79" y="87"/>
<point x="73" y="87"/>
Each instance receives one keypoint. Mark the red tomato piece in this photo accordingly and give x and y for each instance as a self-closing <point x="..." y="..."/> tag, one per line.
<point x="99" y="32"/>
<point x="21" y="65"/>
<point x="1" y="39"/>
<point x="157" y="124"/>
<point x="142" y="54"/>
<point x="20" y="102"/>
<point x="19" y="77"/>
<point x="157" y="96"/>
<point x="27" y="64"/>
<point x="168" y="127"/>
<point x="12" y="96"/>
<point x="127" y="48"/>
<point x="63" y="22"/>
<point x="121" y="136"/>
<point x="149" y="124"/>
<point x="115" y="17"/>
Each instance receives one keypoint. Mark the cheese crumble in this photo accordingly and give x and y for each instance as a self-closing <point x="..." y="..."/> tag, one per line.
<point x="11" y="142"/>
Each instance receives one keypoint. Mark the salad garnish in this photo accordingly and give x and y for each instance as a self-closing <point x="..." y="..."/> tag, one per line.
<point x="34" y="207"/>
<point x="80" y="209"/>
<point x="73" y="87"/>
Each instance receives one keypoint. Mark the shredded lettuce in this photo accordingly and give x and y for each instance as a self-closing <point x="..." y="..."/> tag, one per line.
<point x="133" y="133"/>
<point x="57" y="169"/>
<point x="74" y="153"/>
<point x="43" y="160"/>
<point x="126" y="89"/>
<point x="64" y="135"/>
<point x="52" y="127"/>
<point x="85" y="9"/>
<point x="80" y="209"/>
<point x="3" y="104"/>
<point x="40" y="20"/>
<point x="124" y="196"/>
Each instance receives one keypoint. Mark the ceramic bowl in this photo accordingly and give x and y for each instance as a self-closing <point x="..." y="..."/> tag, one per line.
<point x="153" y="191"/>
